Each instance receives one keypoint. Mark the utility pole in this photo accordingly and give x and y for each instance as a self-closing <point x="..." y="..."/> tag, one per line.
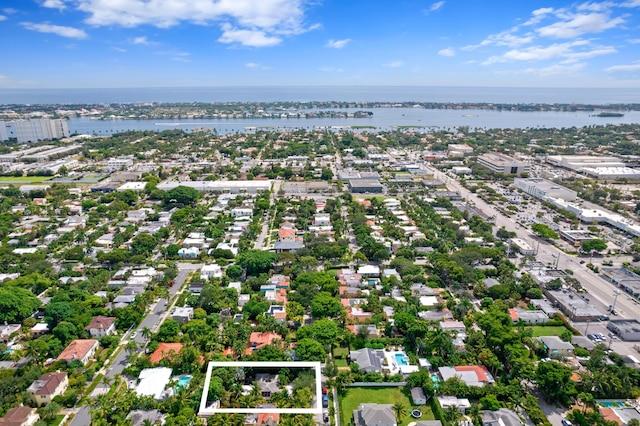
<point x="615" y="299"/>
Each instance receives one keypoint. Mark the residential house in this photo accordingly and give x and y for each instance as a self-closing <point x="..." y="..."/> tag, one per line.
<point x="369" y="271"/>
<point x="462" y="404"/>
<point x="240" y="212"/>
<point x="138" y="417"/>
<point x="183" y="314"/>
<point x="501" y="417"/>
<point x="20" y="416"/>
<point x="259" y="339"/>
<point x="43" y="390"/>
<point x="556" y="347"/>
<point x="374" y="415"/>
<point x="458" y="329"/>
<point x="101" y="326"/>
<point x="79" y="350"/>
<point x="165" y="350"/>
<point x="6" y="330"/>
<point x="188" y="253"/>
<point x="210" y="271"/>
<point x="472" y="375"/>
<point x="267" y="419"/>
<point x="528" y="316"/>
<point x="368" y="360"/>
<point x="153" y="382"/>
<point x="268" y="384"/>
<point x="288" y="246"/>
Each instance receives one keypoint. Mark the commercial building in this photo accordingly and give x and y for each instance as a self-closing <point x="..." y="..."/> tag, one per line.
<point x="503" y="164"/>
<point x="4" y="133"/>
<point x="604" y="173"/>
<point x="40" y="129"/>
<point x="573" y="305"/>
<point x="579" y="162"/>
<point x="575" y="237"/>
<point x="523" y="247"/>
<point x="627" y="329"/>
<point x="224" y="186"/>
<point x="625" y="279"/>
<point x="458" y="150"/>
<point x="362" y="186"/>
<point x="544" y="189"/>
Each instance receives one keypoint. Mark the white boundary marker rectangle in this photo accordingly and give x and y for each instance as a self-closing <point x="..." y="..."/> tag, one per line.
<point x="317" y="366"/>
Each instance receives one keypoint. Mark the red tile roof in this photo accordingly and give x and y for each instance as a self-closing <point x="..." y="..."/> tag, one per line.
<point x="258" y="340"/>
<point x="165" y="350"/>
<point x="480" y="370"/>
<point x="77" y="349"/>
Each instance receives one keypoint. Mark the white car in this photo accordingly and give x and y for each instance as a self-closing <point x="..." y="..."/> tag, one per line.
<point x="133" y="335"/>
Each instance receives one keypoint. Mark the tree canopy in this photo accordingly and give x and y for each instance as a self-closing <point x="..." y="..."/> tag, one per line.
<point x="16" y="304"/>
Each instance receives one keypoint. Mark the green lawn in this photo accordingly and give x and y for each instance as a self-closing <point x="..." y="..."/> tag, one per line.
<point x="339" y="352"/>
<point x="552" y="330"/>
<point x="23" y="179"/>
<point x="340" y="362"/>
<point x="356" y="396"/>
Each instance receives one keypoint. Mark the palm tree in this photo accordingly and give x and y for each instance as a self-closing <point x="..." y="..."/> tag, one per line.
<point x="146" y="333"/>
<point x="49" y="411"/>
<point x="400" y="409"/>
<point x="452" y="414"/>
<point x="131" y="348"/>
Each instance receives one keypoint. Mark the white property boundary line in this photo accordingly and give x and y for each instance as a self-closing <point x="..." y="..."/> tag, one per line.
<point x="207" y="412"/>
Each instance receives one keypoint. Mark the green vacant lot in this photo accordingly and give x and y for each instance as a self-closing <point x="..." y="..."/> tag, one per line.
<point x="356" y="396"/>
<point x="552" y="330"/>
<point x="23" y="179"/>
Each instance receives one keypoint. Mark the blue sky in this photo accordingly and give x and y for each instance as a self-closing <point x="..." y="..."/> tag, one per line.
<point x="164" y="43"/>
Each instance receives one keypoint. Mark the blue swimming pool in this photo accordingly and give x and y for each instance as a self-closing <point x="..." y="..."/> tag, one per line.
<point x="402" y="359"/>
<point x="183" y="381"/>
<point x="435" y="380"/>
<point x="611" y="404"/>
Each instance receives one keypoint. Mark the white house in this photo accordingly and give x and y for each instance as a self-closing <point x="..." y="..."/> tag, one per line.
<point x="210" y="271"/>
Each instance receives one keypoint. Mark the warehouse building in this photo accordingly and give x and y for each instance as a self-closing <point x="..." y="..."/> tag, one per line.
<point x="544" y="189"/>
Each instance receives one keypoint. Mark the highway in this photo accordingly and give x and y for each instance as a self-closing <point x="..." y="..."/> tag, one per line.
<point x="154" y="318"/>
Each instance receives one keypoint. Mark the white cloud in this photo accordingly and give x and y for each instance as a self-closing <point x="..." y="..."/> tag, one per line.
<point x="119" y="49"/>
<point x="580" y="24"/>
<point x="54" y="4"/>
<point x="436" y="6"/>
<point x="338" y="44"/>
<point x="56" y="29"/>
<point x="623" y="68"/>
<point x="537" y="53"/>
<point x="631" y="3"/>
<point x="256" y="66"/>
<point x="634" y="41"/>
<point x="2" y="17"/>
<point x="449" y="51"/>
<point x="256" y="23"/>
<point x="555" y="70"/>
<point x="251" y="38"/>
<point x="394" y="64"/>
<point x="330" y="69"/>
<point x="9" y="10"/>
<point x="505" y="38"/>
<point x="538" y="15"/>
<point x="142" y="40"/>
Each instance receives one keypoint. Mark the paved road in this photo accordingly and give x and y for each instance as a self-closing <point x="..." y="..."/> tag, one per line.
<point x="151" y="321"/>
<point x="600" y="291"/>
<point x="266" y="224"/>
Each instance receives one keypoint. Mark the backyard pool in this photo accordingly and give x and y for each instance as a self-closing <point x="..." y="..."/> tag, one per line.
<point x="611" y="404"/>
<point x="402" y="359"/>
<point x="183" y="381"/>
<point x="435" y="380"/>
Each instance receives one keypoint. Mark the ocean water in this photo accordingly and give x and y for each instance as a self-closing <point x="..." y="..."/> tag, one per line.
<point x="382" y="119"/>
<point x="510" y="95"/>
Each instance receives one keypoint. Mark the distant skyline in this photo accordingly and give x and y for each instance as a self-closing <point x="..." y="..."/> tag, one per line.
<point x="174" y="43"/>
